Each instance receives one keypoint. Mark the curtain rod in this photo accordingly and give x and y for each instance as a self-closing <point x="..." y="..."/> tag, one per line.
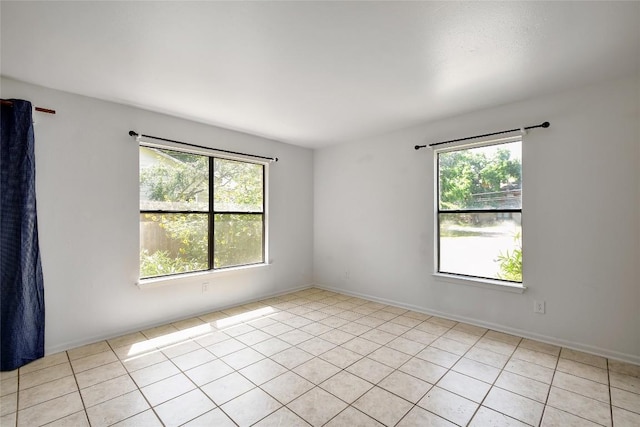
<point x="138" y="135"/>
<point x="40" y="109"/>
<point x="541" y="125"/>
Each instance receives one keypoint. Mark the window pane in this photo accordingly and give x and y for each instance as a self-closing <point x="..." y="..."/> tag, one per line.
<point x="173" y="181"/>
<point x="485" y="245"/>
<point x="173" y="243"/>
<point x="238" y="240"/>
<point x="238" y="186"/>
<point x="481" y="178"/>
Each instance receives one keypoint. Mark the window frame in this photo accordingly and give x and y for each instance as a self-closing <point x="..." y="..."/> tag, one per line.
<point x="460" y="277"/>
<point x="211" y="213"/>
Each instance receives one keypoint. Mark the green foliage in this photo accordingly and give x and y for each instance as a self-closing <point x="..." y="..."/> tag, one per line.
<point x="468" y="175"/>
<point x="511" y="262"/>
<point x="184" y="242"/>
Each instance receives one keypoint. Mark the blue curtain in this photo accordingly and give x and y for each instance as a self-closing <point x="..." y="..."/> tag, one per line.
<point x="22" y="298"/>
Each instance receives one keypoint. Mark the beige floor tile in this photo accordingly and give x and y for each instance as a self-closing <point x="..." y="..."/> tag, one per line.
<point x="389" y="357"/>
<point x="516" y="406"/>
<point x="291" y="357"/>
<point x="424" y="370"/>
<point x="417" y="315"/>
<point x="242" y="358"/>
<point x="337" y="336"/>
<point x="45" y="362"/>
<point x="159" y="331"/>
<point x="316" y="346"/>
<point x="383" y="406"/>
<point x="523" y="386"/>
<point x="378" y="336"/>
<point x="584" y="371"/>
<point x="338" y="320"/>
<point x="93" y="361"/>
<point x="193" y="359"/>
<point x="370" y="370"/>
<point x="624" y="382"/>
<point x="361" y="346"/>
<point x="127" y="340"/>
<point x="461" y="336"/>
<point x="295" y="337"/>
<point x="353" y="328"/>
<point x="250" y="407"/>
<point x="476" y="370"/>
<point x="212" y="418"/>
<point x="419" y="417"/>
<point x="555" y="417"/>
<point x="623" y="418"/>
<point x="8" y="404"/>
<point x="488" y="417"/>
<point x="346" y="386"/>
<point x="226" y="347"/>
<point x="167" y="389"/>
<point x="439" y="357"/>
<point x="433" y="329"/>
<point x="316" y="370"/>
<point x="208" y="372"/>
<point x="317" y="406"/>
<point x="354" y="418"/>
<point x="47" y="391"/>
<point x="271" y="346"/>
<point x="542" y="347"/>
<point x="586" y="358"/>
<point x="625" y="400"/>
<point x="263" y="371"/>
<point x="448" y="405"/>
<point x="88" y="350"/>
<point x="117" y="409"/>
<point x="107" y="390"/>
<point x="45" y="375"/>
<point x="369" y="321"/>
<point x="50" y="411"/>
<point x="624" y="368"/>
<point x="406" y="320"/>
<point x="179" y="349"/>
<point x="487" y="357"/>
<point x="470" y="329"/>
<point x="184" y="408"/>
<point x="530" y="370"/>
<point x="8" y="386"/>
<point x="581" y="386"/>
<point x="405" y="386"/>
<point x="576" y="404"/>
<point x="282" y="417"/>
<point x="212" y="338"/>
<point x="341" y="357"/>
<point x="501" y="336"/>
<point x="253" y="337"/>
<point x="4" y="375"/>
<point x="442" y="321"/>
<point x="228" y="387"/>
<point x="451" y="346"/>
<point x="79" y="419"/>
<point x="532" y="356"/>
<point x="102" y="373"/>
<point x="154" y="373"/>
<point x="393" y="328"/>
<point x="406" y="346"/>
<point x="9" y="419"/>
<point x="497" y="346"/>
<point x="464" y="386"/>
<point x="287" y="387"/>
<point x="188" y="323"/>
<point x="419" y="336"/>
<point x="142" y="361"/>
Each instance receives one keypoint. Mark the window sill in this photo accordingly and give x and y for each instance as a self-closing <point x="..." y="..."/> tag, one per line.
<point x="200" y="277"/>
<point x="495" y="285"/>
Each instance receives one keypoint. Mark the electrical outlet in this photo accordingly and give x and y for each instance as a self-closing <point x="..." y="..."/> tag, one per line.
<point x="538" y="307"/>
<point x="205" y="287"/>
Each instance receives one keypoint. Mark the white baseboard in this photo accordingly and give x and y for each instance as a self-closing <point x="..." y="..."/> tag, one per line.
<point x="114" y="334"/>
<point x="610" y="354"/>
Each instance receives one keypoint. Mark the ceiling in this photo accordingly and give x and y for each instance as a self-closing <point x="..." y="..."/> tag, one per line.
<point x="317" y="73"/>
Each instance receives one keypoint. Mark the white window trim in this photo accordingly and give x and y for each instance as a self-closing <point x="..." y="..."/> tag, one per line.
<point x="208" y="277"/>
<point x="502" y="285"/>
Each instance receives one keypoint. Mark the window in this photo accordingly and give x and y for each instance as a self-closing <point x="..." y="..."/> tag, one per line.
<point x="199" y="212"/>
<point x="479" y="212"/>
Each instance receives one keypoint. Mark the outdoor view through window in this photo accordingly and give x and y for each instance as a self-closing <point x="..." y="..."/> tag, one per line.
<point x="480" y="211"/>
<point x="198" y="212"/>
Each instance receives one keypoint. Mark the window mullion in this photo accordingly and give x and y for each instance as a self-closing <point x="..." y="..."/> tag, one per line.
<point x="211" y="234"/>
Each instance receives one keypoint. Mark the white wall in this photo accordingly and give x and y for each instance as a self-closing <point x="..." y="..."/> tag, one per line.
<point x="373" y="217"/>
<point x="88" y="217"/>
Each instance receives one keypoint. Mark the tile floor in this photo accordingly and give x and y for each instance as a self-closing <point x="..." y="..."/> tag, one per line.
<point x="321" y="358"/>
